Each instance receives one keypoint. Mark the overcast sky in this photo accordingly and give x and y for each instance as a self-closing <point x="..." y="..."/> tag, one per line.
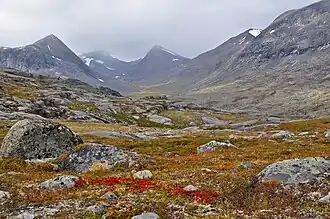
<point x="127" y="29"/>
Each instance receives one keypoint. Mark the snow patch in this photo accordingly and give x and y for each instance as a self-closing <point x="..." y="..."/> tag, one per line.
<point x="101" y="80"/>
<point x="168" y="51"/>
<point x="49" y="48"/>
<point x="175" y="60"/>
<point x="88" y="61"/>
<point x="99" y="61"/>
<point x="255" y="32"/>
<point x="56" y="58"/>
<point x="111" y="69"/>
<point x="272" y="31"/>
<point x="124" y="74"/>
<point x="117" y="77"/>
<point x="242" y="41"/>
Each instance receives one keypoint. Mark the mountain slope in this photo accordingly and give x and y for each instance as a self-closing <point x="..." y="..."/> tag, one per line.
<point x="203" y="65"/>
<point x="48" y="56"/>
<point x="284" y="70"/>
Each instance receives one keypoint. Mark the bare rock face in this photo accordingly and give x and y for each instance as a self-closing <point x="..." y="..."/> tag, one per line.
<point x="297" y="171"/>
<point x="38" y="139"/>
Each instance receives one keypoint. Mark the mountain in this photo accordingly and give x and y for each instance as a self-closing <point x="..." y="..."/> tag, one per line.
<point x="157" y="65"/>
<point x="103" y="63"/>
<point x="48" y="56"/>
<point x="283" y="69"/>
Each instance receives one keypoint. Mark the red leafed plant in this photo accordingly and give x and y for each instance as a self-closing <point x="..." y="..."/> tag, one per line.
<point x="141" y="185"/>
<point x="203" y="196"/>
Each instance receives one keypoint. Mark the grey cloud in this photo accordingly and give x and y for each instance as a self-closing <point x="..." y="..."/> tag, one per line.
<point x="129" y="28"/>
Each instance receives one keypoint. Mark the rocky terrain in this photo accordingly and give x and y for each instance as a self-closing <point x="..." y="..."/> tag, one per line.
<point x="242" y="132"/>
<point x="281" y="70"/>
<point x="69" y="150"/>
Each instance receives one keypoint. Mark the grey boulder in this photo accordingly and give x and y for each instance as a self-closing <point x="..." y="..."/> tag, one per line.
<point x="297" y="171"/>
<point x="60" y="182"/>
<point x="96" y="209"/>
<point x="327" y="134"/>
<point x="145" y="174"/>
<point x="160" y="119"/>
<point x="212" y="121"/>
<point x="325" y="198"/>
<point x="93" y="155"/>
<point x="37" y="139"/>
<point x="282" y="134"/>
<point x="212" y="145"/>
<point x="190" y="188"/>
<point x="4" y="196"/>
<point x="146" y="216"/>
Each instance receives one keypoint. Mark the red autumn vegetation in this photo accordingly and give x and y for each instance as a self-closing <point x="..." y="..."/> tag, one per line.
<point x="141" y="185"/>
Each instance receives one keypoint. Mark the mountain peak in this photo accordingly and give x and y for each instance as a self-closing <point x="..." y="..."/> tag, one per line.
<point x="50" y="38"/>
<point x="158" y="48"/>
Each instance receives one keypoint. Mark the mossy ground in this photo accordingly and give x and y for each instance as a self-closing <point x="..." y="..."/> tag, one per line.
<point x="177" y="163"/>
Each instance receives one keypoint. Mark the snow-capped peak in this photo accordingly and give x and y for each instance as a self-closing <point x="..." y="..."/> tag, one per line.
<point x="168" y="51"/>
<point x="255" y="32"/>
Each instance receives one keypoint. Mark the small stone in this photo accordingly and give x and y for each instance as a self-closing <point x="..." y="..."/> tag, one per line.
<point x="96" y="209"/>
<point x="146" y="216"/>
<point x="190" y="188"/>
<point x="303" y="133"/>
<point x="145" y="174"/>
<point x="110" y="196"/>
<point x="212" y="145"/>
<point x="325" y="198"/>
<point x="314" y="196"/>
<point x="4" y="196"/>
<point x="327" y="134"/>
<point x="192" y="124"/>
<point x="207" y="170"/>
<point x="247" y="165"/>
<point x="25" y="215"/>
<point x="60" y="182"/>
<point x="283" y="134"/>
<point x="136" y="117"/>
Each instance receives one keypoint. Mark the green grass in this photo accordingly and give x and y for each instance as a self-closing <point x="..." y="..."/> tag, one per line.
<point x="84" y="106"/>
<point x="22" y="92"/>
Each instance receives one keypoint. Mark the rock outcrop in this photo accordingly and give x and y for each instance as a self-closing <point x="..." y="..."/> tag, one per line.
<point x="97" y="156"/>
<point x="37" y="139"/>
<point x="297" y="171"/>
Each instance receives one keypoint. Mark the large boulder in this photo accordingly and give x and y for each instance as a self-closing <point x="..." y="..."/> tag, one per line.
<point x="297" y="171"/>
<point x="212" y="121"/>
<point x="37" y="139"/>
<point x="92" y="157"/>
<point x="160" y="119"/>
